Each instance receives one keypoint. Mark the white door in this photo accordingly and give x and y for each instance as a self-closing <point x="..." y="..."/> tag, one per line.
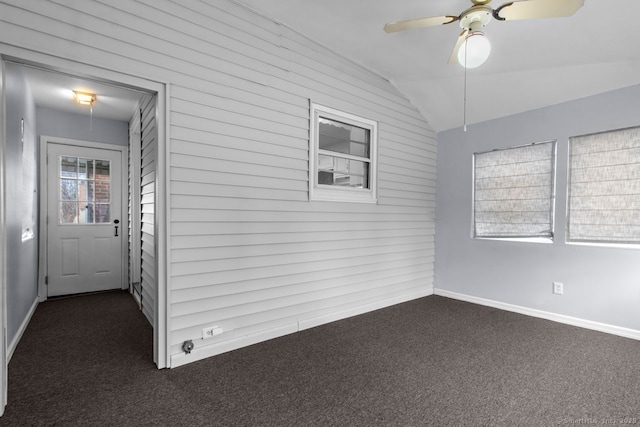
<point x="85" y="229"/>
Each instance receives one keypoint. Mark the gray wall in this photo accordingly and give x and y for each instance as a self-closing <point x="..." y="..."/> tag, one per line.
<point x="600" y="283"/>
<point x="79" y="126"/>
<point x="22" y="257"/>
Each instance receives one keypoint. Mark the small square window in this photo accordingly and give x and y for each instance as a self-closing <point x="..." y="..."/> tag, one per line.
<point x="342" y="156"/>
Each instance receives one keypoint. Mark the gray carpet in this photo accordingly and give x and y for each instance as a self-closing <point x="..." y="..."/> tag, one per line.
<point x="434" y="361"/>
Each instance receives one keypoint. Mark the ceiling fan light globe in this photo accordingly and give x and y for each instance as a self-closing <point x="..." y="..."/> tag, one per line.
<point x="474" y="51"/>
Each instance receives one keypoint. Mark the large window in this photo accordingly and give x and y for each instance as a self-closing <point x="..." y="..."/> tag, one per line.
<point x="604" y="187"/>
<point x="514" y="192"/>
<point x="342" y="156"/>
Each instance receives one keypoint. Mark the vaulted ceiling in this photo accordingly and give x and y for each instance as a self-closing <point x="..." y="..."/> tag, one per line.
<point x="533" y="63"/>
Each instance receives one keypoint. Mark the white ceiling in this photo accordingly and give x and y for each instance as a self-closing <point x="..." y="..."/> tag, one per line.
<point x="55" y="90"/>
<point x="532" y="64"/>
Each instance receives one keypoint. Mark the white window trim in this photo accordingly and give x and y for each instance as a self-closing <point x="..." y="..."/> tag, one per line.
<point x="334" y="193"/>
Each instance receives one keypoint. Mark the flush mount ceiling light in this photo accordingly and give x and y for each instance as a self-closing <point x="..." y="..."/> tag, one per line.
<point x="84" y="98"/>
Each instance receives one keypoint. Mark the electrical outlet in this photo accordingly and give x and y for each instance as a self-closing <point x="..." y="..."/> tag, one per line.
<point x="211" y="332"/>
<point x="558" y="288"/>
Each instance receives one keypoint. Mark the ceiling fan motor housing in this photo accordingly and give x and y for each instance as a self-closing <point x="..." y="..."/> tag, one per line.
<point x="475" y="17"/>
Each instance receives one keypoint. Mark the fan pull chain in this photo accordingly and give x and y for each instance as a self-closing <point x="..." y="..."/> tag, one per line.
<point x="464" y="107"/>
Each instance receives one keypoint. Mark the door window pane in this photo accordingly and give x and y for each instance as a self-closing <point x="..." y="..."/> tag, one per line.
<point x="83" y="182"/>
<point x="103" y="214"/>
<point x="102" y="192"/>
<point x="68" y="167"/>
<point x="85" y="190"/>
<point x="85" y="169"/>
<point x="68" y="189"/>
<point x="103" y="170"/>
<point x="85" y="213"/>
<point x="68" y="212"/>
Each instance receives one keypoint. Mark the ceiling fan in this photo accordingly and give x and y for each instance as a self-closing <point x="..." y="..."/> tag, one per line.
<point x="472" y="48"/>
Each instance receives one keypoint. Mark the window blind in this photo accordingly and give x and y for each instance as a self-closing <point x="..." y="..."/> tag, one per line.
<point x="514" y="192"/>
<point x="604" y="187"/>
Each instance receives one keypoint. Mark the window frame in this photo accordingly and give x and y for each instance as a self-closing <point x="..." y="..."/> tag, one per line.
<point x="553" y="197"/>
<point x="90" y="177"/>
<point x="626" y="244"/>
<point x="325" y="192"/>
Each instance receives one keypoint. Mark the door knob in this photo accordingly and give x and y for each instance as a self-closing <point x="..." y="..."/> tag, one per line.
<point x="116" y="222"/>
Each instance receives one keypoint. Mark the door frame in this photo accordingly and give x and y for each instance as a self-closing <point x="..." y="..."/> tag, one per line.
<point x="127" y="78"/>
<point x="3" y="253"/>
<point x="43" y="258"/>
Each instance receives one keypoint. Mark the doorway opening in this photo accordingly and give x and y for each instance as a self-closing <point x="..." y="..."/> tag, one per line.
<point x="82" y="206"/>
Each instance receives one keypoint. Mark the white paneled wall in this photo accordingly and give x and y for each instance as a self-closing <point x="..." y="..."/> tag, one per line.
<point x="148" y="148"/>
<point x="134" y="215"/>
<point x="249" y="252"/>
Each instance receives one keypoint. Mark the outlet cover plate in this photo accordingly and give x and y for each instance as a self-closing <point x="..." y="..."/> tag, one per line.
<point x="558" y="288"/>
<point x="211" y="332"/>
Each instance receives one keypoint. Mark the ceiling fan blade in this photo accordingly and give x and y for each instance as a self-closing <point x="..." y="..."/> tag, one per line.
<point x="410" y="24"/>
<point x="535" y="9"/>
<point x="454" y="55"/>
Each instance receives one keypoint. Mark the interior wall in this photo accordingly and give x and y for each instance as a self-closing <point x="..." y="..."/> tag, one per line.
<point x="79" y="126"/>
<point x="249" y="253"/>
<point x="22" y="256"/>
<point x="600" y="283"/>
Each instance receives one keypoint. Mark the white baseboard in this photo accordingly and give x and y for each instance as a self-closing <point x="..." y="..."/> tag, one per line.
<point x="23" y="327"/>
<point x="202" y="352"/>
<point x="560" y="318"/>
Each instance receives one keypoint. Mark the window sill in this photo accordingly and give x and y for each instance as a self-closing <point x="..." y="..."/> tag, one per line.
<point x="518" y="239"/>
<point x="630" y="246"/>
